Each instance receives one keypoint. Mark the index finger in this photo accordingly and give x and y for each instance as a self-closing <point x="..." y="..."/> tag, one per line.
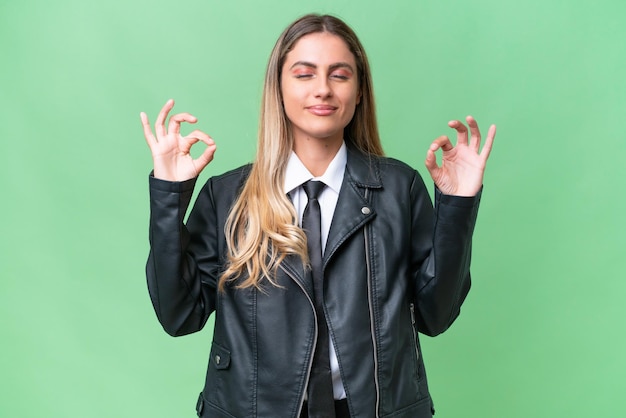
<point x="176" y="120"/>
<point x="461" y="131"/>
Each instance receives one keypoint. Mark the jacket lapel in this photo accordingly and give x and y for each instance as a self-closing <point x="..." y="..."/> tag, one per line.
<point x="353" y="208"/>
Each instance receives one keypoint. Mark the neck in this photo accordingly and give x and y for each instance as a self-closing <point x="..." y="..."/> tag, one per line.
<point x="316" y="154"/>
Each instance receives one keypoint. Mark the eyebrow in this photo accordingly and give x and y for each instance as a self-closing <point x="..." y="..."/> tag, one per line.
<point x="331" y="67"/>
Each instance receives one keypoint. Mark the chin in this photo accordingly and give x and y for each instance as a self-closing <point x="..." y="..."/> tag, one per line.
<point x="325" y="136"/>
<point x="326" y="132"/>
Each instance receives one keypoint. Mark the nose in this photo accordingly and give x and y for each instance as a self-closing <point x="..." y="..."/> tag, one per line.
<point x="323" y="89"/>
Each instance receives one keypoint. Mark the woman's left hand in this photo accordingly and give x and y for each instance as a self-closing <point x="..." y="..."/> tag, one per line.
<point x="462" y="166"/>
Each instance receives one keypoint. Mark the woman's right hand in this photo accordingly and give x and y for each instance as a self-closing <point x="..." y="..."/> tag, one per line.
<point x="170" y="149"/>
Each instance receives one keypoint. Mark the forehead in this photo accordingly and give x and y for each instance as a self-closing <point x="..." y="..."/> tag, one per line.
<point x="320" y="48"/>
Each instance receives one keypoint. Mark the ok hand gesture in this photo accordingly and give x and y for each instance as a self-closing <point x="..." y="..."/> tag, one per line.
<point x="170" y="150"/>
<point x="462" y="167"/>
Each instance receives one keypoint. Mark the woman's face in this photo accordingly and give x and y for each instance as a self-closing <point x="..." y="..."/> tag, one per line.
<point x="320" y="87"/>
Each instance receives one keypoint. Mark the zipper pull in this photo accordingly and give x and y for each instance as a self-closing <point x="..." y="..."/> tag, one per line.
<point x="412" y="306"/>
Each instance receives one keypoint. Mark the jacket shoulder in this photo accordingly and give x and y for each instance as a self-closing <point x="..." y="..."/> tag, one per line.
<point x="402" y="175"/>
<point x="392" y="168"/>
<point x="223" y="189"/>
<point x="395" y="165"/>
<point x="235" y="176"/>
<point x="368" y="170"/>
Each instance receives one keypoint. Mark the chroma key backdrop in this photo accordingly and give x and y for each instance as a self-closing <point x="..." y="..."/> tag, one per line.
<point x="542" y="331"/>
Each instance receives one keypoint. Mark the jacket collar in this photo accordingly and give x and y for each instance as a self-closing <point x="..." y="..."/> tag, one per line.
<point x="354" y="206"/>
<point x="364" y="170"/>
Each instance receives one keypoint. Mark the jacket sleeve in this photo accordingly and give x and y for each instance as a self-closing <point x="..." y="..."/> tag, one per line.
<point x="182" y="265"/>
<point x="442" y="240"/>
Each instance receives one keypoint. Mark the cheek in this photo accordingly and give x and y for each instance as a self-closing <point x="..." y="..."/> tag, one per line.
<point x="353" y="99"/>
<point x="351" y="95"/>
<point x="291" y="106"/>
<point x="288" y="103"/>
<point x="289" y="92"/>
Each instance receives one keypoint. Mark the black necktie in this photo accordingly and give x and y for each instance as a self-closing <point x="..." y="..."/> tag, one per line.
<point x="321" y="402"/>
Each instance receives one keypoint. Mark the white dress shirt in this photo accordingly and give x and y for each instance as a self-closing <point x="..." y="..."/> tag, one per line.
<point x="297" y="174"/>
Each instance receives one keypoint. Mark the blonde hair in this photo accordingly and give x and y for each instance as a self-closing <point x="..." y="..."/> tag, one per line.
<point x="262" y="227"/>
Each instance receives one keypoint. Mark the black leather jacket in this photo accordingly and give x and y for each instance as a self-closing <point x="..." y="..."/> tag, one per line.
<point x="393" y="267"/>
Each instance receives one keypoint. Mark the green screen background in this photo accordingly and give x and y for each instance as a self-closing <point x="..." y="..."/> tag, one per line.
<point x="542" y="332"/>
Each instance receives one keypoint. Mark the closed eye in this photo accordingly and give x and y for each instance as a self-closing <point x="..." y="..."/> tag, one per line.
<point x="341" y="73"/>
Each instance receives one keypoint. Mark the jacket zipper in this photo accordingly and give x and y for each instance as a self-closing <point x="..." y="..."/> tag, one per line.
<point x="308" y="373"/>
<point x="371" y="309"/>
<point x="417" y="353"/>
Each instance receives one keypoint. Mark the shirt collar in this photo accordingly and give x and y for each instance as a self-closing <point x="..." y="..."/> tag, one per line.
<point x="297" y="174"/>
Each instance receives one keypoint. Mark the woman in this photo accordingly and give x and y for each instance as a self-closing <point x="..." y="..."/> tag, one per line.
<point x="322" y="320"/>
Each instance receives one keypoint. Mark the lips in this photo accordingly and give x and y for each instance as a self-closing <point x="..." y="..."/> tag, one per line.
<point x="322" y="110"/>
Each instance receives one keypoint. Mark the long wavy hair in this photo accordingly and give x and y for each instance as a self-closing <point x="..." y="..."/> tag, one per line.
<point x="262" y="227"/>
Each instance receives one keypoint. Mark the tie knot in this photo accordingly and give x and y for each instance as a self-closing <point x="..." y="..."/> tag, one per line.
<point x="313" y="188"/>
